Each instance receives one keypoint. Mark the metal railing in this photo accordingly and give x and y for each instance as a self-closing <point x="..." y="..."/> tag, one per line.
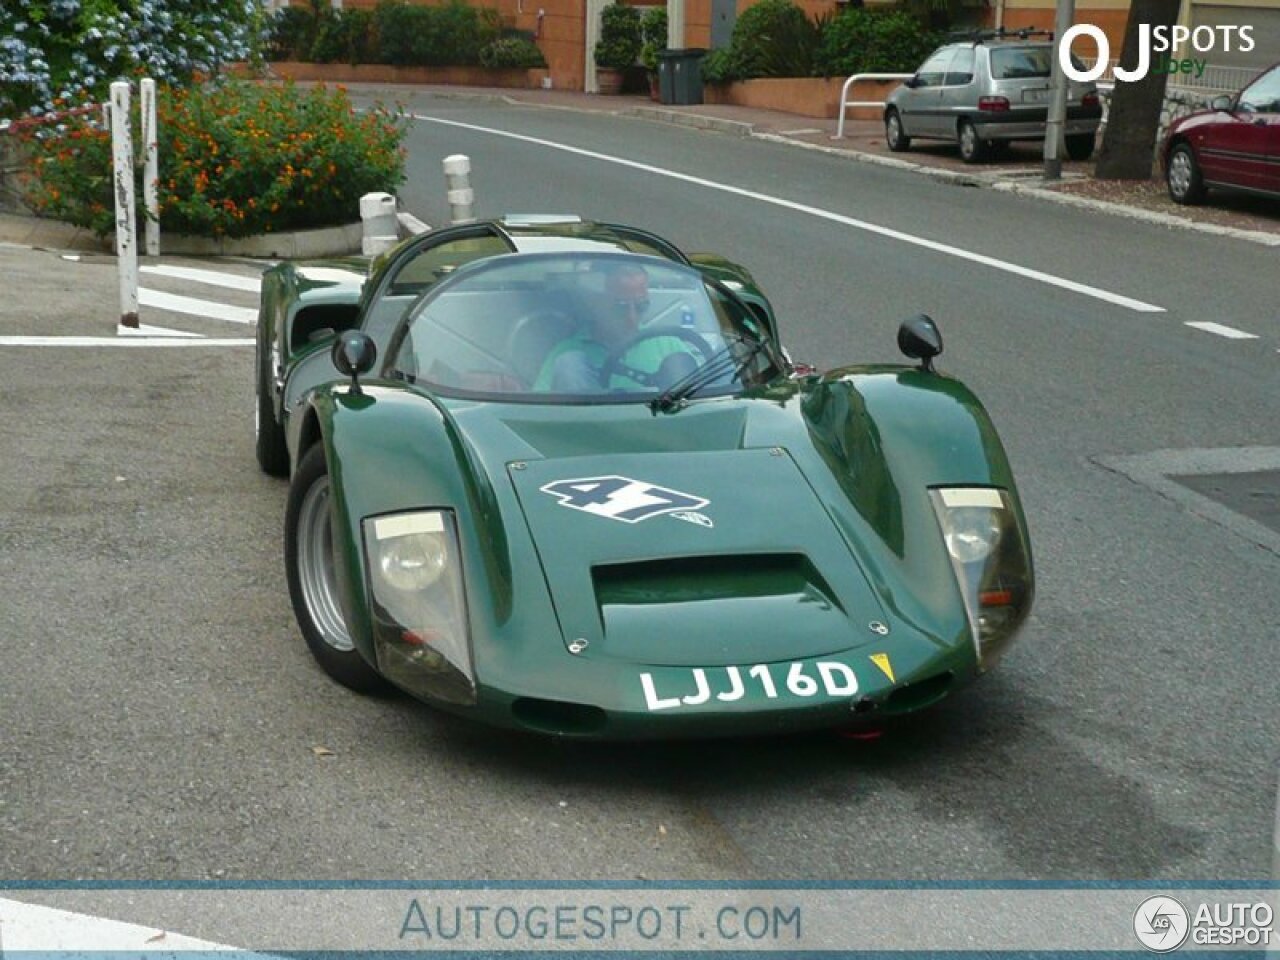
<point x="846" y="103"/>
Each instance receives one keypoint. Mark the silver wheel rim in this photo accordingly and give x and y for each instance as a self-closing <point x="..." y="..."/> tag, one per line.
<point x="1180" y="173"/>
<point x="968" y="140"/>
<point x="316" y="573"/>
<point x="895" y="130"/>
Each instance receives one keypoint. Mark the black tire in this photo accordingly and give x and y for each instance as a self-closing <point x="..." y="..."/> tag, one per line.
<point x="1183" y="177"/>
<point x="898" y="141"/>
<point x="1080" y="146"/>
<point x="273" y="453"/>
<point x="309" y="567"/>
<point x="973" y="149"/>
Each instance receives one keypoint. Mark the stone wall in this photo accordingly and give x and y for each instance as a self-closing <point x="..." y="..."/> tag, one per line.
<point x="1178" y="103"/>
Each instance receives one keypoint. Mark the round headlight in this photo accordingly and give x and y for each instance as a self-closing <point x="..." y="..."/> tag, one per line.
<point x="973" y="534"/>
<point x="415" y="561"/>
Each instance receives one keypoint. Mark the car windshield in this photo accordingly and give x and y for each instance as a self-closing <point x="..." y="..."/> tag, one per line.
<point x="1018" y="63"/>
<point x="1263" y="95"/>
<point x="581" y="327"/>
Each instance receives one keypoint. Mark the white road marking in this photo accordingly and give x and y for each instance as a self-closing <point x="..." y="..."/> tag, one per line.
<point x="214" y="278"/>
<point x="995" y="264"/>
<point x="146" y="330"/>
<point x="126" y="342"/>
<point x="27" y="927"/>
<point x="1231" y="333"/>
<point x="177" y="303"/>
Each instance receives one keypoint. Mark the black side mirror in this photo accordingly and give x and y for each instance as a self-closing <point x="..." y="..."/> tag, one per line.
<point x="354" y="353"/>
<point x="1221" y="103"/>
<point x="920" y="339"/>
<point x="911" y="82"/>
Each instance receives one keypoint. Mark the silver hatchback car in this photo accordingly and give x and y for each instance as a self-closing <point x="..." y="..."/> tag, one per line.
<point x="989" y="89"/>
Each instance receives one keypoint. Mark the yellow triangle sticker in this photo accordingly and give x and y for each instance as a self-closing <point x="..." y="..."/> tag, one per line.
<point x="881" y="660"/>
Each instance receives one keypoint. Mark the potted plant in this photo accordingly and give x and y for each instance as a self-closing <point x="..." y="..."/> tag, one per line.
<point x="653" y="31"/>
<point x="618" y="47"/>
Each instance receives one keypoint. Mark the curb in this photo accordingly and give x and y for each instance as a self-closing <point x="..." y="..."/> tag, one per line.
<point x="994" y="182"/>
<point x="298" y="244"/>
<point x="1137" y="213"/>
<point x="734" y="127"/>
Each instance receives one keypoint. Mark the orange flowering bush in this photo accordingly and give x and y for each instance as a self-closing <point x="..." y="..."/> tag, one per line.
<point x="236" y="159"/>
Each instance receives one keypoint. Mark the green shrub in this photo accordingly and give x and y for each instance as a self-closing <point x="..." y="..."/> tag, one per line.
<point x="619" y="43"/>
<point x="773" y="38"/>
<point x="873" y="41"/>
<point x="653" y="33"/>
<point x="717" y="67"/>
<point x="517" y="52"/>
<point x="432" y="36"/>
<point x="236" y="159"/>
<point x="343" y="36"/>
<point x="293" y="34"/>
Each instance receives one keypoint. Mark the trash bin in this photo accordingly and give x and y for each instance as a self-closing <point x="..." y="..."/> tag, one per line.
<point x="680" y="76"/>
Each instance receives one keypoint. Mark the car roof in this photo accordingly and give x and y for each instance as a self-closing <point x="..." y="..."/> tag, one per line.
<point x="545" y="233"/>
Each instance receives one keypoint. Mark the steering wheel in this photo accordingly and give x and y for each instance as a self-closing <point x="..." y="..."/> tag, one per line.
<point x="613" y="362"/>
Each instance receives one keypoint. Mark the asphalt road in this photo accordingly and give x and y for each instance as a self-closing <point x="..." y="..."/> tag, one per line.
<point x="159" y="713"/>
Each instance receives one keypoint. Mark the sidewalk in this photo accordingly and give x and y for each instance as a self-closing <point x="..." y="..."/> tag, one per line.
<point x="1019" y="170"/>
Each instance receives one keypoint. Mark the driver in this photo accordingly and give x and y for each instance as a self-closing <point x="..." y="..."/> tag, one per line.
<point x="575" y="365"/>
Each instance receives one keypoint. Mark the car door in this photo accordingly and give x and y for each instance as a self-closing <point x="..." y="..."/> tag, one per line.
<point x="1242" y="149"/>
<point x="958" y="94"/>
<point x="922" y="102"/>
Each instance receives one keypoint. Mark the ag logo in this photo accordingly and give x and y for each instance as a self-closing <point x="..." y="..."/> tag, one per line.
<point x="1161" y="924"/>
<point x="621" y="498"/>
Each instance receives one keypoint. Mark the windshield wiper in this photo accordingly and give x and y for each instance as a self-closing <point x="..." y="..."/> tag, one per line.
<point x="720" y="362"/>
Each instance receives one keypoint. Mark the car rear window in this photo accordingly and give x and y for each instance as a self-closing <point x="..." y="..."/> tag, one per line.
<point x="1020" y="63"/>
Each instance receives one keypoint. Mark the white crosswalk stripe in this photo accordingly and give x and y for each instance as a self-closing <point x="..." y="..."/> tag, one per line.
<point x="216" y="278"/>
<point x="194" y="306"/>
<point x="27" y="927"/>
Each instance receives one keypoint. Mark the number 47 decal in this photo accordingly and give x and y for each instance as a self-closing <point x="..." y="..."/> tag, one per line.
<point x="621" y="498"/>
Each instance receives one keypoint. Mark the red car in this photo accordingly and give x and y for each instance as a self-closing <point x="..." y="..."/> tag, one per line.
<point x="1234" y="144"/>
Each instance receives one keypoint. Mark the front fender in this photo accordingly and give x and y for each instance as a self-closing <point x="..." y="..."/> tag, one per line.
<point x="390" y="449"/>
<point x="879" y="439"/>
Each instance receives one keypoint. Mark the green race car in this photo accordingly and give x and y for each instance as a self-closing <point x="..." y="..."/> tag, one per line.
<point x="561" y="477"/>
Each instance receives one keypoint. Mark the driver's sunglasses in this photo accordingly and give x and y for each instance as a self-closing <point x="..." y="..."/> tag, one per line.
<point x="626" y="306"/>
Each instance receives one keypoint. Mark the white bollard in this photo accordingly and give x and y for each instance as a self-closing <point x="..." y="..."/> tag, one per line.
<point x="151" y="174"/>
<point x="381" y="227"/>
<point x="122" y="180"/>
<point x="457" y="177"/>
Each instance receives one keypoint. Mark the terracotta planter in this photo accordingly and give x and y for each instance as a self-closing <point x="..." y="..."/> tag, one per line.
<point x="609" y="81"/>
<point x="655" y="92"/>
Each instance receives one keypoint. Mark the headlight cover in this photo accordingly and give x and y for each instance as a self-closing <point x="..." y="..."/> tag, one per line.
<point x="420" y="625"/>
<point x="990" y="560"/>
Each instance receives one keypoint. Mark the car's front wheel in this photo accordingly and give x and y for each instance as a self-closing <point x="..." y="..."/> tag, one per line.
<point x="273" y="455"/>
<point x="1080" y="146"/>
<point x="311" y="569"/>
<point x="973" y="148"/>
<point x="893" y="134"/>
<point x="1183" y="177"/>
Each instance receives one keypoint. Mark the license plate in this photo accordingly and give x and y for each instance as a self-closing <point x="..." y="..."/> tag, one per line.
<point x="1035" y="96"/>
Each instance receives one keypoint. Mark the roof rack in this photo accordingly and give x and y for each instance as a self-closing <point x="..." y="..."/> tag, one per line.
<point x="1000" y="33"/>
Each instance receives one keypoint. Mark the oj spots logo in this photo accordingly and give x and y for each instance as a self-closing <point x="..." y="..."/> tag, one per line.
<point x="621" y="498"/>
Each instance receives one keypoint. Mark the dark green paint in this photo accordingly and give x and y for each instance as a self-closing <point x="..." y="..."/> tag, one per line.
<point x="818" y="494"/>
